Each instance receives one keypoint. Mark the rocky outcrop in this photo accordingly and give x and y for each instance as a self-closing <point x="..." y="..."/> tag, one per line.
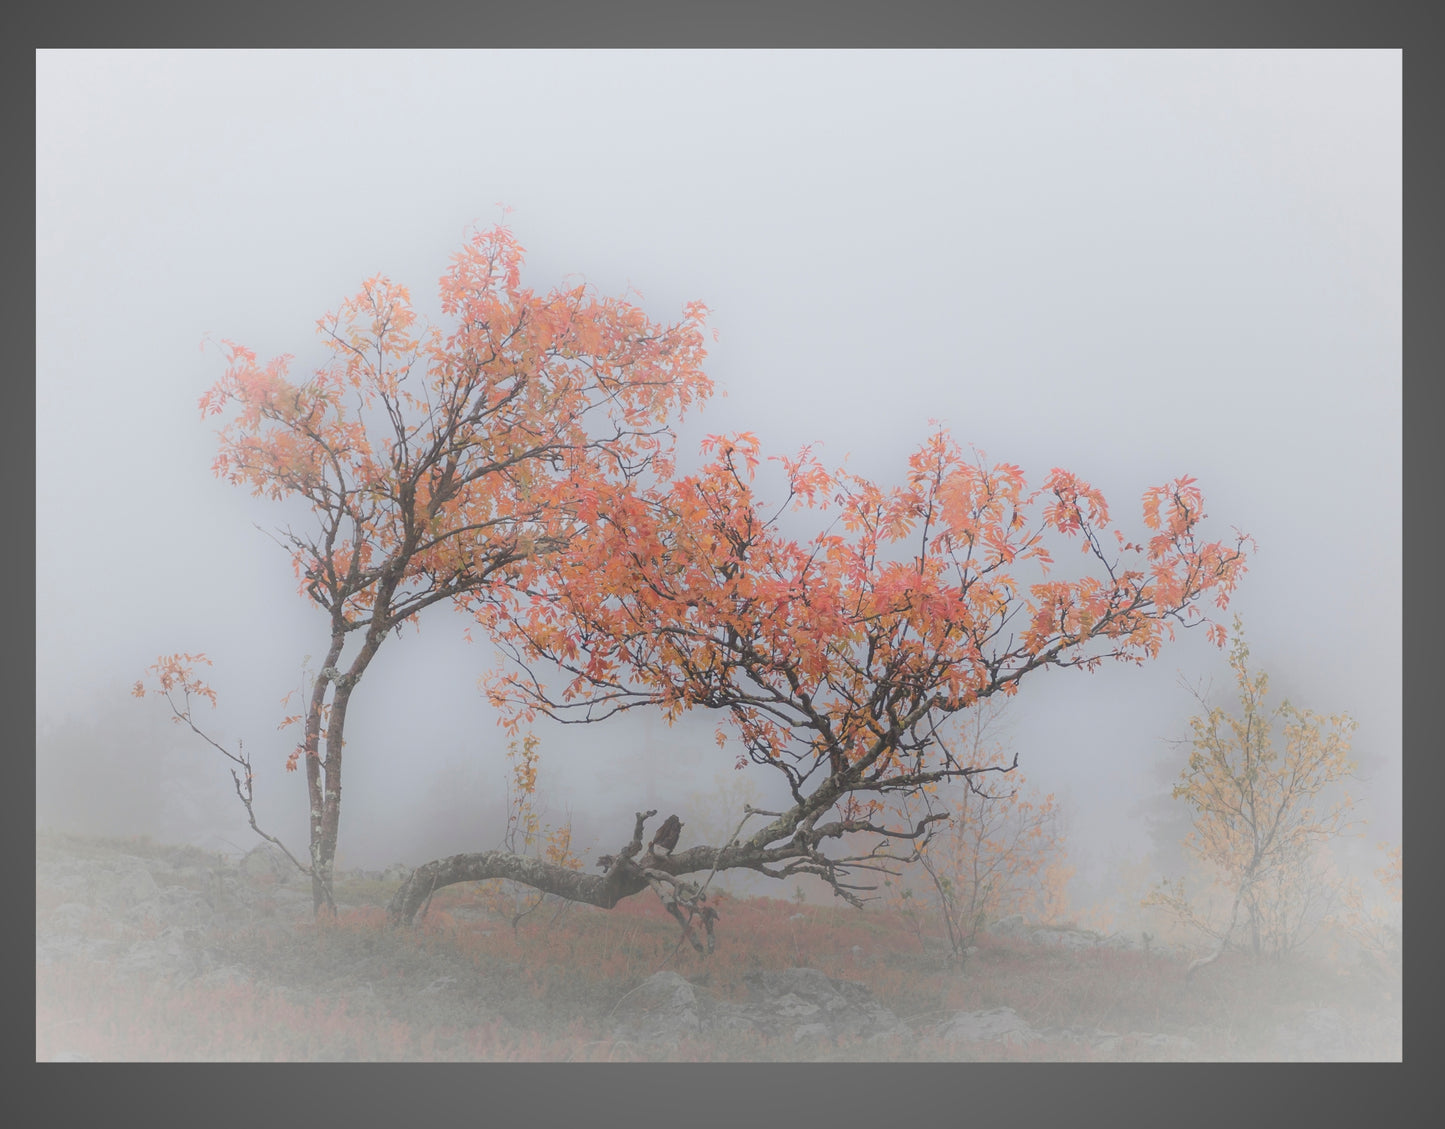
<point x="1000" y="1024"/>
<point x="793" y="1005"/>
<point x="1078" y="940"/>
<point x="1002" y="1028"/>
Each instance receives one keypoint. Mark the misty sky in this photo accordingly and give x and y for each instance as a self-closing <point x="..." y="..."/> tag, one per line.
<point x="1134" y="265"/>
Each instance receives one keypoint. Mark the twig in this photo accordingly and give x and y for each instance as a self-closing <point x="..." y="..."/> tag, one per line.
<point x="247" y="797"/>
<point x="748" y="812"/>
<point x="620" y="998"/>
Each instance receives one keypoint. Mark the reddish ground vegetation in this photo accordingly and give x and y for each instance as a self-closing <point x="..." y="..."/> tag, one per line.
<point x="464" y="986"/>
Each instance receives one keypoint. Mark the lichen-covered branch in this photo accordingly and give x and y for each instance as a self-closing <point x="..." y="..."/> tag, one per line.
<point x="625" y="873"/>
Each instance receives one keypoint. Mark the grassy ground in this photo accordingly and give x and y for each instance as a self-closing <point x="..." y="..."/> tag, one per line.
<point x="465" y="985"/>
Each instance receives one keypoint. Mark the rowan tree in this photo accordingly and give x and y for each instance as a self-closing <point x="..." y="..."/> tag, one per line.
<point x="437" y="466"/>
<point x="835" y="660"/>
<point x="1260" y="823"/>
<point x="526" y="834"/>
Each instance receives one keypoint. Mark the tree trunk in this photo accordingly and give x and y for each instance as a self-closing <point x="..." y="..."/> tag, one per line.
<point x="604" y="890"/>
<point x="321" y="895"/>
<point x="626" y="873"/>
<point x="1223" y="937"/>
<point x="326" y="801"/>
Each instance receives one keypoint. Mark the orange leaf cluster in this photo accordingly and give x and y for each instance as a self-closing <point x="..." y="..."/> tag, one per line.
<point x="433" y="459"/>
<point x="176" y="673"/>
<point x="836" y="650"/>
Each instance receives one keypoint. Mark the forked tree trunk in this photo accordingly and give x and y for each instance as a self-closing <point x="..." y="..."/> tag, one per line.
<point x="789" y="845"/>
<point x="626" y="874"/>
<point x="323" y="774"/>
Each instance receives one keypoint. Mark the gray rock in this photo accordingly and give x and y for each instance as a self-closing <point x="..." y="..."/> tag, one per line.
<point x="810" y="1031"/>
<point x="172" y="953"/>
<point x="1319" y="1035"/>
<point x="1011" y="926"/>
<point x="781" y="999"/>
<point x="265" y="861"/>
<point x="1000" y="1024"/>
<point x="1140" y="1046"/>
<point x="117" y="883"/>
<point x="798" y="1004"/>
<point x="1168" y="1046"/>
<point x="662" y="1009"/>
<point x="173" y="905"/>
<point x="1072" y="940"/>
<point x="1141" y="943"/>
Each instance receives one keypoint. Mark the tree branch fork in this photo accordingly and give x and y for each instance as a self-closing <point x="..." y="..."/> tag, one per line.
<point x="633" y="870"/>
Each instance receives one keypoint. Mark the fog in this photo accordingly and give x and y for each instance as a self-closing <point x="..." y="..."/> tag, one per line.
<point x="1135" y="265"/>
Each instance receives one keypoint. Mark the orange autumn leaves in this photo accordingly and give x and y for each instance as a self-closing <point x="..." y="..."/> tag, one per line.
<point x="912" y="602"/>
<point x="432" y="457"/>
<point x="176" y="675"/>
<point x="499" y="465"/>
<point x="440" y="465"/>
<point x="517" y="464"/>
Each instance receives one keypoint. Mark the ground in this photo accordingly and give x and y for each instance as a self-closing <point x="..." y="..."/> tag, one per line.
<point x="150" y="952"/>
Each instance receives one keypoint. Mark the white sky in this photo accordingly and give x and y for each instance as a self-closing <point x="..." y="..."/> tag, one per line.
<point x="1131" y="264"/>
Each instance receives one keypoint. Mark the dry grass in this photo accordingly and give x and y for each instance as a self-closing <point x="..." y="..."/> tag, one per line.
<point x="464" y="986"/>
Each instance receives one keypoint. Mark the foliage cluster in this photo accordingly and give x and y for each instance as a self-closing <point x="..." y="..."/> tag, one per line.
<point x="526" y="834"/>
<point x="1259" y="825"/>
<point x="1375" y="923"/>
